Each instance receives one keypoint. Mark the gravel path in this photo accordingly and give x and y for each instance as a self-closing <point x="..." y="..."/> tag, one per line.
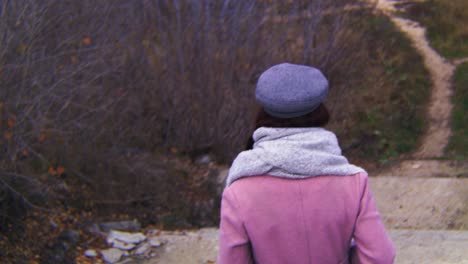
<point x="413" y="247"/>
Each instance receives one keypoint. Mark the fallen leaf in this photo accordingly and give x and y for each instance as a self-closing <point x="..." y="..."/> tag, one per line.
<point x="60" y="170"/>
<point x="52" y="171"/>
<point x="87" y="41"/>
<point x="8" y="135"/>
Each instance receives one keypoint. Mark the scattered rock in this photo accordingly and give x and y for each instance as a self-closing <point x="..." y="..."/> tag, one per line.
<point x="128" y="261"/>
<point x="125" y="237"/>
<point x="129" y="247"/>
<point x="155" y="242"/>
<point x="70" y="236"/>
<point x="111" y="255"/>
<point x="154" y="232"/>
<point x="53" y="224"/>
<point x="91" y="253"/>
<point x="94" y="228"/>
<point x="142" y="249"/>
<point x="204" y="159"/>
<point x="122" y="245"/>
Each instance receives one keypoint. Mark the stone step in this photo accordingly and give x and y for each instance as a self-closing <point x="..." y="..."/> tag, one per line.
<point x="428" y="168"/>
<point x="413" y="247"/>
<point x="427" y="219"/>
<point x="430" y="246"/>
<point x="422" y="203"/>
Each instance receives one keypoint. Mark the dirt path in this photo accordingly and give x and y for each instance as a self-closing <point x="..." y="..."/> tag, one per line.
<point x="424" y="162"/>
<point x="440" y="107"/>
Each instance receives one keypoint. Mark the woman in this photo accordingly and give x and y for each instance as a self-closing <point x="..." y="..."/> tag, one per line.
<point x="293" y="198"/>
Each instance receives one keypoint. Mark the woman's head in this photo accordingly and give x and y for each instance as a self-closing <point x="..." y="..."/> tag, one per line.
<point x="290" y="90"/>
<point x="290" y="96"/>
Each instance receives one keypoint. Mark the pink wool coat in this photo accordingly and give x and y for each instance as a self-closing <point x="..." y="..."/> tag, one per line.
<point x="269" y="220"/>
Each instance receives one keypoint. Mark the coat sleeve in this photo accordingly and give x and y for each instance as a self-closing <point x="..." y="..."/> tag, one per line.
<point x="373" y="245"/>
<point x="234" y="246"/>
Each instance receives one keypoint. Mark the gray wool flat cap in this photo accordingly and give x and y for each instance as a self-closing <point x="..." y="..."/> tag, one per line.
<point x="289" y="90"/>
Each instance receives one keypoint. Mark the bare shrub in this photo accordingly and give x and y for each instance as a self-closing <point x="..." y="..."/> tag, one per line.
<point x="86" y="82"/>
<point x="209" y="54"/>
<point x="64" y="76"/>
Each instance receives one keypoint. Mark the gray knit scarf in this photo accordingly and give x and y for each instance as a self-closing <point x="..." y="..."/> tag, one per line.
<point x="294" y="153"/>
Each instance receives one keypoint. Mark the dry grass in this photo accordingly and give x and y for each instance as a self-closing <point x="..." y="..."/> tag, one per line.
<point x="381" y="115"/>
<point x="458" y="145"/>
<point x="446" y="25"/>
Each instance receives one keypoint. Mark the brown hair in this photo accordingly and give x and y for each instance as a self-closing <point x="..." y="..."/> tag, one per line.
<point x="318" y="118"/>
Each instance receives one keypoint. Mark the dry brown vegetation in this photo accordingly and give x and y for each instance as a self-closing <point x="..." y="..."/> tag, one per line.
<point x="446" y="25"/>
<point x="104" y="104"/>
